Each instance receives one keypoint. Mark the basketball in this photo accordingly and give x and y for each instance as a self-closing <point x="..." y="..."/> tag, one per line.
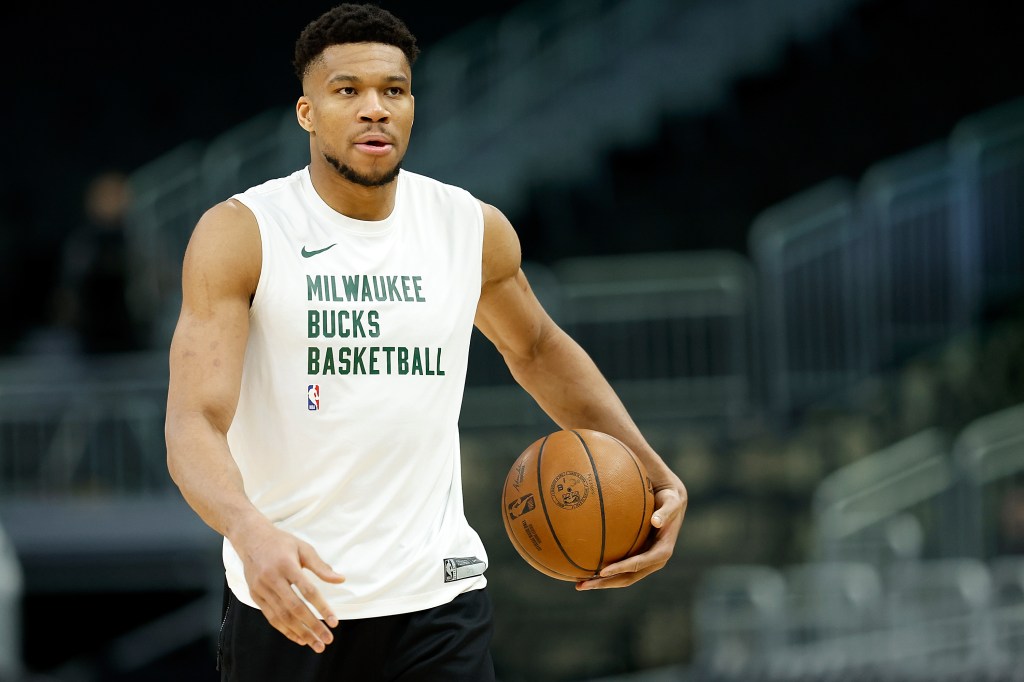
<point x="575" y="501"/>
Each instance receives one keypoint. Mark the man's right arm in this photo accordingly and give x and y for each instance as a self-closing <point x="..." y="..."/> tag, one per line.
<point x="220" y="272"/>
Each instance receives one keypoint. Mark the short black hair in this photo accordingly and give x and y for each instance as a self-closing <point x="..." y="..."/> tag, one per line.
<point x="352" y="23"/>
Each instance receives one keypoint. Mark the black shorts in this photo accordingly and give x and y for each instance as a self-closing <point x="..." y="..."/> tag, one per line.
<point x="448" y="643"/>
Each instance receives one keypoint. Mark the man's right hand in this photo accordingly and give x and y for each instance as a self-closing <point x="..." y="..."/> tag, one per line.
<point x="277" y="570"/>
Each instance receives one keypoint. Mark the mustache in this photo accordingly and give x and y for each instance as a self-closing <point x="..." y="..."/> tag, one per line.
<point x="374" y="129"/>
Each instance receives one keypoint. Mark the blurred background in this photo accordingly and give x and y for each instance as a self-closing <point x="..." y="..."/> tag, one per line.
<point x="791" y="232"/>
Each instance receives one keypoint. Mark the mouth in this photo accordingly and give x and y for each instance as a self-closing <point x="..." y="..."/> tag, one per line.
<point x="375" y="145"/>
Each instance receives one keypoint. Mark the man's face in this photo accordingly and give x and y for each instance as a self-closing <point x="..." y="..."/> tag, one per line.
<point x="357" y="102"/>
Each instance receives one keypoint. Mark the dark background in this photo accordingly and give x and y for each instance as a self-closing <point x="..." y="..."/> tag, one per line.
<point x="112" y="85"/>
<point x="91" y="87"/>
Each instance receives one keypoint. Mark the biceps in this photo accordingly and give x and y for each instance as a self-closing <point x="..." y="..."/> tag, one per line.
<point x="206" y="357"/>
<point x="512" y="318"/>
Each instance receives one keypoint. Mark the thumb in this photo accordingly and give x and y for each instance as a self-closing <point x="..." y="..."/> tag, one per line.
<point x="311" y="560"/>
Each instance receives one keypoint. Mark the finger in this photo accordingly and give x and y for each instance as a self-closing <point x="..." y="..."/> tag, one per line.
<point x="672" y="508"/>
<point x="658" y="552"/>
<point x="653" y="559"/>
<point x="285" y="609"/>
<point x="298" y="635"/>
<point x="619" y="580"/>
<point x="311" y="560"/>
<point x="309" y="620"/>
<point x="289" y="622"/>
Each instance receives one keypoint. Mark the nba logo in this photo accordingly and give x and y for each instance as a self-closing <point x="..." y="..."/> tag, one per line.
<point x="313" y="397"/>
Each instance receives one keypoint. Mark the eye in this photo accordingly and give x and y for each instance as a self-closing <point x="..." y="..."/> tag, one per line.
<point x="346" y="90"/>
<point x="393" y="91"/>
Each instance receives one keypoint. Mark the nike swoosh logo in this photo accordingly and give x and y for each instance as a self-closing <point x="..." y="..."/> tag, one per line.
<point x="310" y="254"/>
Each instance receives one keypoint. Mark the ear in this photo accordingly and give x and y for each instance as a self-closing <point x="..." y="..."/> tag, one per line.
<point x="304" y="113"/>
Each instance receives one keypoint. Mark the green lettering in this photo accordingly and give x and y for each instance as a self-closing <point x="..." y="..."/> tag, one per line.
<point x="344" y="364"/>
<point x="393" y="293"/>
<point x="403" y="360"/>
<point x="328" y="360"/>
<point x="417" y="362"/>
<point x="342" y="329"/>
<point x="358" y="366"/>
<point x="314" y="324"/>
<point x="372" y="317"/>
<point x="357" y="324"/>
<point x="330" y="324"/>
<point x="351" y="284"/>
<point x="380" y="288"/>
<point x="416" y="288"/>
<point x="373" y="359"/>
<point x="313" y="360"/>
<point x="314" y="286"/>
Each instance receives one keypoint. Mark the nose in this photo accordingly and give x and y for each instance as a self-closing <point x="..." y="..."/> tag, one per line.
<point x="373" y="109"/>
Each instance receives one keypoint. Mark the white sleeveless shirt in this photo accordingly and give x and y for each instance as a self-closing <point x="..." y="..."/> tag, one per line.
<point x="346" y="431"/>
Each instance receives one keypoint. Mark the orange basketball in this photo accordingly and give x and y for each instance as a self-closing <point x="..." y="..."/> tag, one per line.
<point x="575" y="501"/>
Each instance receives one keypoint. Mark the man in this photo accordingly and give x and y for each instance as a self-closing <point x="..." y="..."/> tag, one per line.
<point x="316" y="376"/>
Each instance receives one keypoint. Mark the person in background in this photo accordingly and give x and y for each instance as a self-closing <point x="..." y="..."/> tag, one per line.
<point x="93" y="295"/>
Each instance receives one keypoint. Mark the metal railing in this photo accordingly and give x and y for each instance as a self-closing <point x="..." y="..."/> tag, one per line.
<point x="987" y="151"/>
<point x="672" y="331"/>
<point x="83" y="428"/>
<point x="989" y="455"/>
<point x="814" y="278"/>
<point x="11" y="581"/>
<point x="882" y="508"/>
<point x="920" y="252"/>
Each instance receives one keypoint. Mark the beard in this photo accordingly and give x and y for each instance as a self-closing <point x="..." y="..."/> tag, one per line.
<point x="354" y="176"/>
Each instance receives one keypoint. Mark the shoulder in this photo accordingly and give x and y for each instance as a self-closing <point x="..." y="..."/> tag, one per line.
<point x="501" y="257"/>
<point x="502" y="254"/>
<point x="225" y="245"/>
<point x="230" y="219"/>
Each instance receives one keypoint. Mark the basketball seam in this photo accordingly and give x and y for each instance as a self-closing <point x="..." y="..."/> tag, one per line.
<point x="600" y="500"/>
<point x="520" y="547"/>
<point x="542" y="494"/>
<point x="643" y="485"/>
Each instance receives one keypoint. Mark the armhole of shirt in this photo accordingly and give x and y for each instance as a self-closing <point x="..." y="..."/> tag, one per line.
<point x="479" y="209"/>
<point x="264" y="251"/>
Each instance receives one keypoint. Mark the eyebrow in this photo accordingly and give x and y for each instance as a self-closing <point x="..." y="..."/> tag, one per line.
<point x="347" y="78"/>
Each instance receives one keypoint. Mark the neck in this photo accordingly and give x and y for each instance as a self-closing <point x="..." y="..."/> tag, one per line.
<point x="351" y="199"/>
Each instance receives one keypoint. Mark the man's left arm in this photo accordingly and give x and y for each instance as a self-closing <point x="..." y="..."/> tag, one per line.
<point x="559" y="374"/>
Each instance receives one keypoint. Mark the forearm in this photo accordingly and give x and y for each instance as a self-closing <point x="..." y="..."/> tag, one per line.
<point x="567" y="384"/>
<point x="202" y="467"/>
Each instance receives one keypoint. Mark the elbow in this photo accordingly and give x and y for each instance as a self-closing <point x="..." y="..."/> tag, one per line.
<point x="522" y="357"/>
<point x="170" y="447"/>
<point x="180" y="433"/>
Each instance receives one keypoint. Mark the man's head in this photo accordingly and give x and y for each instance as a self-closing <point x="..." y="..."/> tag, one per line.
<point x="352" y="23"/>
<point x="354" y="62"/>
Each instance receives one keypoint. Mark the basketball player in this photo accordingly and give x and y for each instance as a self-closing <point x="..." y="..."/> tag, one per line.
<point x="356" y="284"/>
